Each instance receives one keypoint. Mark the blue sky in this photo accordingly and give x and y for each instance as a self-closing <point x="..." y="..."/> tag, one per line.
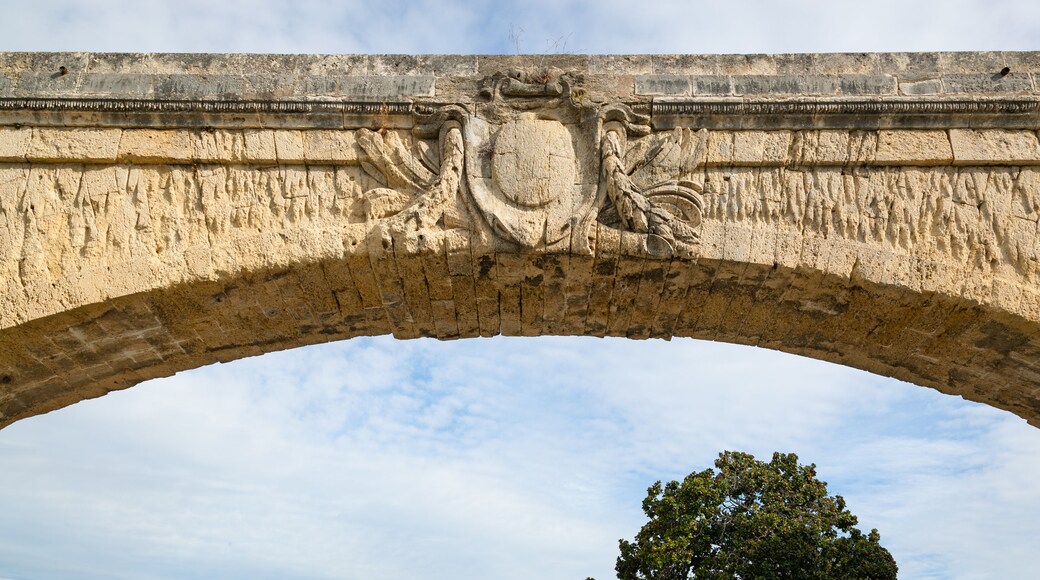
<point x="503" y="458"/>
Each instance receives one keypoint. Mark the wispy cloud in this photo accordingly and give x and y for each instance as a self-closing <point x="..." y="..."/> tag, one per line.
<point x="532" y="26"/>
<point x="382" y="459"/>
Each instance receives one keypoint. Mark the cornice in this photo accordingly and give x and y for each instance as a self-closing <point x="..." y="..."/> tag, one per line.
<point x="666" y="113"/>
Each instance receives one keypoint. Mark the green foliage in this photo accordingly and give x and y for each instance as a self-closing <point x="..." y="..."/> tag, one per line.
<point x="751" y="520"/>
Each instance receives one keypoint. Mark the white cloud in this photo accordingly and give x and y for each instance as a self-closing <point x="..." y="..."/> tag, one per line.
<point x="506" y="458"/>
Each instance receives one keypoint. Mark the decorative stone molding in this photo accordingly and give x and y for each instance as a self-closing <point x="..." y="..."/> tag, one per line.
<point x="162" y="212"/>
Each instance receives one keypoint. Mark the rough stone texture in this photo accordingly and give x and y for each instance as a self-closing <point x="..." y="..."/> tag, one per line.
<point x="913" y="147"/>
<point x="662" y="85"/>
<point x="994" y="147"/>
<point x="162" y="212"/>
<point x="14" y="143"/>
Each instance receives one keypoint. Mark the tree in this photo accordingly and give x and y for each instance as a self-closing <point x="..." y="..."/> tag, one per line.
<point x="751" y="520"/>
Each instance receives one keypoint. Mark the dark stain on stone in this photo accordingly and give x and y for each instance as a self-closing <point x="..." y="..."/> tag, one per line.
<point x="13" y="407"/>
<point x="46" y="393"/>
<point x="605" y="269"/>
<point x="956" y="377"/>
<point x="486" y="263"/>
<point x="546" y="262"/>
<point x="535" y="281"/>
<point x="1033" y="405"/>
<point x="1000" y="338"/>
<point x="5" y="379"/>
<point x="635" y="331"/>
<point x="276" y="340"/>
<point x="576" y="301"/>
<point x="654" y="274"/>
<point x="277" y="275"/>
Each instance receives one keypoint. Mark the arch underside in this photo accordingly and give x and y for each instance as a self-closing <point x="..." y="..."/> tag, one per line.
<point x="956" y="346"/>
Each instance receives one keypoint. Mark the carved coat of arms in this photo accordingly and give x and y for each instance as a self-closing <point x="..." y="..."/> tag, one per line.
<point x="535" y="166"/>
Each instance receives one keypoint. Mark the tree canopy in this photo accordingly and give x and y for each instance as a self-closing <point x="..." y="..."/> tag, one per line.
<point x="751" y="519"/>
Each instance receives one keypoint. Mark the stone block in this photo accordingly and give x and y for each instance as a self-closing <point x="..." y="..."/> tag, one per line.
<point x="318" y="86"/>
<point x="922" y="87"/>
<point x="43" y="61"/>
<point x="14" y="143"/>
<point x="367" y="87"/>
<point x="720" y="148"/>
<point x="119" y="62"/>
<point x="1022" y="61"/>
<point x="909" y="65"/>
<point x="822" y="147"/>
<point x="330" y="146"/>
<point x="988" y="82"/>
<point x="665" y="85"/>
<point x="260" y="147"/>
<point x="422" y="64"/>
<point x="223" y="146"/>
<point x="685" y="64"/>
<point x="179" y="63"/>
<point x="201" y="86"/>
<point x="908" y="147"/>
<point x="269" y="86"/>
<point x="290" y="147"/>
<point x="798" y="64"/>
<point x="746" y="64"/>
<point x="73" y="145"/>
<point x="155" y="146"/>
<point x="38" y="85"/>
<point x="994" y="147"/>
<point x="122" y="85"/>
<point x="761" y="147"/>
<point x="784" y="85"/>
<point x="331" y="65"/>
<point x="492" y="63"/>
<point x="849" y="63"/>
<point x="861" y="84"/>
<point x="971" y="62"/>
<point x="623" y="64"/>
<point x="748" y="147"/>
<point x="616" y="87"/>
<point x="713" y="85"/>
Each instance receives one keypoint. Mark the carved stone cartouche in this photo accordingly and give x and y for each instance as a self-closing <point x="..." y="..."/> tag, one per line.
<point x="540" y="166"/>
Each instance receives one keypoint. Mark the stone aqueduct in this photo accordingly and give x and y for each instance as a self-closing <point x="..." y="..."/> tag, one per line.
<point x="162" y="212"/>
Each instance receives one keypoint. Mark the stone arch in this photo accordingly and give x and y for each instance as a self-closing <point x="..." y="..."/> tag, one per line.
<point x="144" y="236"/>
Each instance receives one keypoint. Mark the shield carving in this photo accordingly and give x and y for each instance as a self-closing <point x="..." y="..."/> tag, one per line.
<point x="527" y="177"/>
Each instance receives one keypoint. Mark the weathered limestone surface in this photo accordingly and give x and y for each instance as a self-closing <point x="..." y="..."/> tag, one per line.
<point x="162" y="212"/>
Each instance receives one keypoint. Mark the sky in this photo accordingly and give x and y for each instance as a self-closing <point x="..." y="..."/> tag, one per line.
<point x="496" y="458"/>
